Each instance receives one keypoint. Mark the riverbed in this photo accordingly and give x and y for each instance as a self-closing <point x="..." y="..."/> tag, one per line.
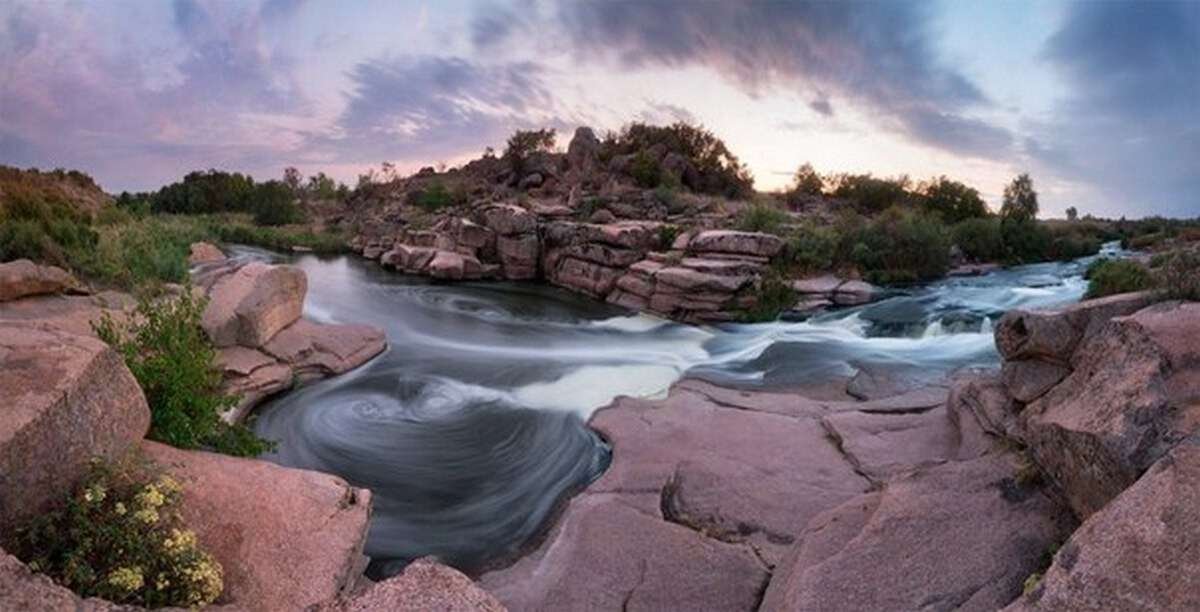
<point x="471" y="427"/>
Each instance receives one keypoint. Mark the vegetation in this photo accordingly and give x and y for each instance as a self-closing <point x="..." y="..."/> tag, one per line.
<point x="774" y="296"/>
<point x="1020" y="200"/>
<point x="120" y="537"/>
<point x="806" y="181"/>
<point x="646" y="171"/>
<point x="954" y="202"/>
<point x="175" y="364"/>
<point x="810" y="248"/>
<point x="1112" y="276"/>
<point x="980" y="239"/>
<point x="717" y="170"/>
<point x="762" y="216"/>
<point x="901" y="245"/>
<point x="871" y="195"/>
<point x="1178" y="276"/>
<point x="524" y="143"/>
<point x="436" y="195"/>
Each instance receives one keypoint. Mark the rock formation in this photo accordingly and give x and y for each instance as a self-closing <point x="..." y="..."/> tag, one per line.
<point x="22" y="278"/>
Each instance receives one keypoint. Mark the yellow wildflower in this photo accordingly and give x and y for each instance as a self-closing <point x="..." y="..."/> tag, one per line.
<point x="151" y="497"/>
<point x="169" y="485"/>
<point x="206" y="578"/>
<point x="148" y="516"/>
<point x="94" y="493"/>
<point x="120" y="508"/>
<point x="180" y="541"/>
<point x="128" y="579"/>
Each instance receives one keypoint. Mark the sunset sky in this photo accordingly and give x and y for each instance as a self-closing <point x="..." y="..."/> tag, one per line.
<point x="1099" y="101"/>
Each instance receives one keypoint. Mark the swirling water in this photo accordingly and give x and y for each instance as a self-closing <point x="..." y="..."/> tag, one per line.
<point x="471" y="427"/>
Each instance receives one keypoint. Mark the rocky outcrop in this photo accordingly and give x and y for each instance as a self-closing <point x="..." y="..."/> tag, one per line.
<point x="204" y="252"/>
<point x="959" y="536"/>
<point x="1053" y="335"/>
<point x="828" y="290"/>
<point x="286" y="538"/>
<point x="265" y="346"/>
<point x="68" y="398"/>
<point x="1132" y="395"/>
<point x="23" y="278"/>
<point x="23" y="589"/>
<point x="1137" y="554"/>
<point x="424" y="585"/>
<point x="253" y="302"/>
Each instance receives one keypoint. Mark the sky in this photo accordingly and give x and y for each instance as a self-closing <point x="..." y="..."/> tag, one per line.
<point x="1099" y="101"/>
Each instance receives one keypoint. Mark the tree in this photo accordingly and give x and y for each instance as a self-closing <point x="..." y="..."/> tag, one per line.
<point x="1020" y="200"/>
<point x="1072" y="213"/>
<point x="275" y="204"/>
<point x="524" y="143"/>
<point x="953" y="201"/>
<point x="292" y="178"/>
<point x="806" y="181"/>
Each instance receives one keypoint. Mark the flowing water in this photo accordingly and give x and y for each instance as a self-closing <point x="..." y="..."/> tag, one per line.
<point x="471" y="426"/>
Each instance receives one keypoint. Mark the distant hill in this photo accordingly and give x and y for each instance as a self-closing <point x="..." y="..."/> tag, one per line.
<point x="56" y="187"/>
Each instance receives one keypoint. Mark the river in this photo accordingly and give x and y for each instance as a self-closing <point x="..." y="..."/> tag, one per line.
<point x="471" y="426"/>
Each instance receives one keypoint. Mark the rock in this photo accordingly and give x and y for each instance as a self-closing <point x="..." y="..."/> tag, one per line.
<point x="424" y="585"/>
<point x="454" y="266"/>
<point x="506" y="219"/>
<point x="1132" y="396"/>
<point x="373" y="251"/>
<point x="958" y="536"/>
<point x="473" y="235"/>
<point x="251" y="305"/>
<point x="409" y="258"/>
<point x="531" y="180"/>
<point x="728" y="470"/>
<point x="204" y="252"/>
<point x="742" y="243"/>
<point x="252" y="375"/>
<point x="22" y="589"/>
<point x="23" y="278"/>
<point x="978" y="269"/>
<point x="688" y="280"/>
<point x="1053" y="335"/>
<point x="639" y="236"/>
<point x="603" y="254"/>
<point x="820" y="285"/>
<point x="869" y="383"/>
<point x="855" y="292"/>
<point x="1029" y="379"/>
<point x="985" y="399"/>
<point x="882" y="445"/>
<point x="681" y="170"/>
<point x="606" y="555"/>
<point x="722" y="267"/>
<point x="602" y="216"/>
<point x="319" y="350"/>
<point x="583" y="151"/>
<point x="587" y="277"/>
<point x="286" y="538"/>
<point x="70" y="313"/>
<point x="68" y="398"/>
<point x="1138" y="553"/>
<point x="519" y="256"/>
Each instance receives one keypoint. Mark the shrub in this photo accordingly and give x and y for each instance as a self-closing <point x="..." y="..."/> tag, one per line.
<point x="902" y="246"/>
<point x="667" y="235"/>
<point x="120" y="537"/>
<point x="774" y="296"/>
<point x="952" y="201"/>
<point x="812" y="249"/>
<point x="980" y="239"/>
<point x="175" y="364"/>
<point x="1112" y="276"/>
<point x="1020" y="200"/>
<point x="524" y="143"/>
<point x="1025" y="240"/>
<point x="274" y="203"/>
<point x="806" y="181"/>
<point x="762" y="217"/>
<point x="718" y="170"/>
<point x="1179" y="276"/>
<point x="645" y="171"/>
<point x="869" y="194"/>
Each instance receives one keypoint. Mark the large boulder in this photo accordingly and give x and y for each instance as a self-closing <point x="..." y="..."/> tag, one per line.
<point x="319" y="350"/>
<point x="1053" y="335"/>
<point x="23" y="278"/>
<point x="1134" y="393"/>
<point x="1138" y="554"/>
<point x="519" y="256"/>
<point x="507" y="219"/>
<point x="252" y="304"/>
<point x="68" y="398"/>
<point x="71" y="313"/>
<point x="583" y="151"/>
<point x="739" y="243"/>
<point x="23" y="589"/>
<point x="204" y="252"/>
<point x="959" y="536"/>
<point x="424" y="585"/>
<point x="606" y="555"/>
<point x="286" y="538"/>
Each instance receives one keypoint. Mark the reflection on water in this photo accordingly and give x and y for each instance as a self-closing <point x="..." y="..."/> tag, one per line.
<point x="470" y="427"/>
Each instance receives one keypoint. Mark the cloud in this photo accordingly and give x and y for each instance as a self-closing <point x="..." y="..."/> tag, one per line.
<point x="875" y="54"/>
<point x="422" y="108"/>
<point x="822" y="106"/>
<point x="1131" y="124"/>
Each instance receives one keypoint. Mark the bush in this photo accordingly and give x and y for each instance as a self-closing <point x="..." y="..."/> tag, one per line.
<point x="436" y="196"/>
<point x="274" y="203"/>
<point x="1112" y="276"/>
<point x="1025" y="240"/>
<point x="762" y="217"/>
<point x="980" y="239"/>
<point x="773" y="297"/>
<point x="718" y="170"/>
<point x="812" y="249"/>
<point x="645" y="171"/>
<point x="869" y="194"/>
<point x="1179" y="276"/>
<point x="667" y="235"/>
<point x="175" y="364"/>
<point x="525" y="143"/>
<point x="902" y="246"/>
<point x="120" y="537"/>
<point x="952" y="200"/>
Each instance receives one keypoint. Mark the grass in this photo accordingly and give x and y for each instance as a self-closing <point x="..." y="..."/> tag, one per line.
<point x="1113" y="276"/>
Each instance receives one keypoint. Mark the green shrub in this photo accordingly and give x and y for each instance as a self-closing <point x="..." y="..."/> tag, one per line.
<point x="812" y="249"/>
<point x="175" y="363"/>
<point x="1025" y="240"/>
<point x="952" y="200"/>
<point x="1179" y="276"/>
<point x="901" y="246"/>
<point x="524" y="143"/>
<point x="667" y="235"/>
<point x="274" y="203"/>
<point x="436" y="196"/>
<point x="120" y="537"/>
<point x="762" y="217"/>
<point x="870" y="194"/>
<point x="774" y="296"/>
<point x="717" y="170"/>
<point x="980" y="239"/>
<point x="277" y="238"/>
<point x="1112" y="276"/>
<point x="645" y="171"/>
